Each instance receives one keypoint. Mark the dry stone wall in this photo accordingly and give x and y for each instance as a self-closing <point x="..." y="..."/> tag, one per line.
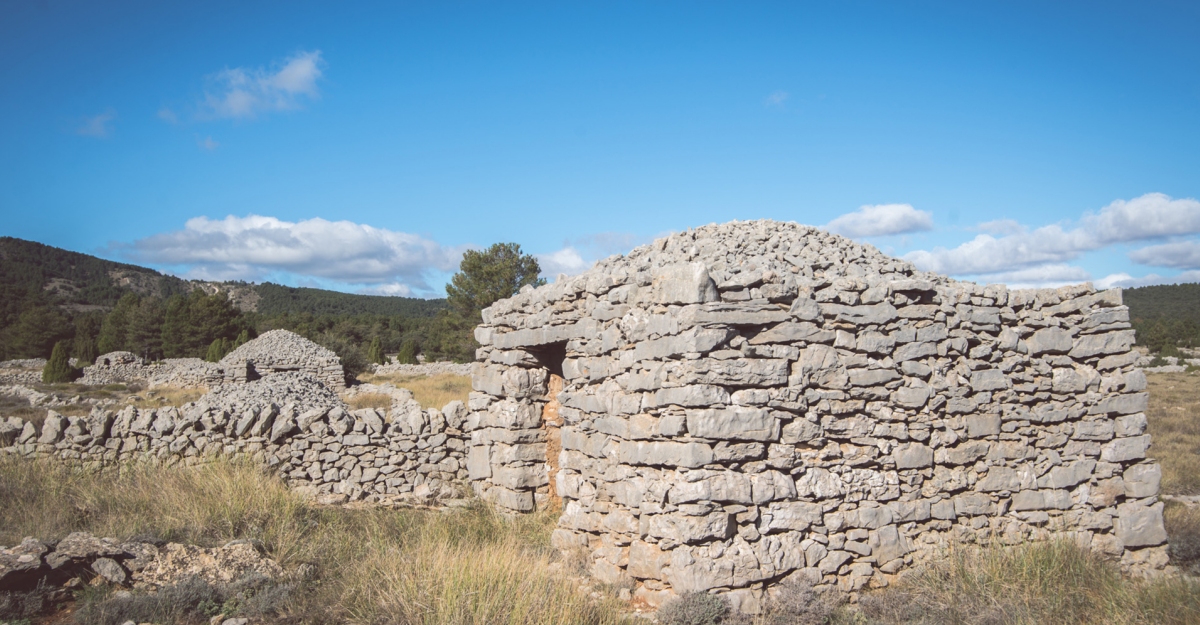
<point x="279" y="351"/>
<point x="756" y="401"/>
<point x="290" y="421"/>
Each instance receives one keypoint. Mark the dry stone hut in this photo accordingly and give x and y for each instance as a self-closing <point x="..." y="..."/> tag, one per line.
<point x="279" y="351"/>
<point x="738" y="404"/>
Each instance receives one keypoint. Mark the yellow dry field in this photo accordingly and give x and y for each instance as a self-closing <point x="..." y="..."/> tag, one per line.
<point x="433" y="391"/>
<point x="1174" y="425"/>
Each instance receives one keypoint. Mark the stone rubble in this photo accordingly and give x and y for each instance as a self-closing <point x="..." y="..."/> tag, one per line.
<point x="423" y="369"/>
<point x="137" y="564"/>
<point x="755" y="401"/>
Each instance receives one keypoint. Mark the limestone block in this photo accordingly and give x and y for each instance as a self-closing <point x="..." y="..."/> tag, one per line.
<point x="1142" y="480"/>
<point x="1049" y="341"/>
<point x="800" y="430"/>
<point x="695" y="396"/>
<point x="761" y="372"/>
<point x="694" y="340"/>
<point x="646" y="560"/>
<point x="973" y="504"/>
<point x="52" y="428"/>
<point x="1099" y="430"/>
<point x="669" y="454"/>
<point x="819" y="483"/>
<point x="872" y="377"/>
<point x="712" y="486"/>
<point x="981" y="425"/>
<point x="989" y="380"/>
<point x="685" y="283"/>
<point x="887" y="544"/>
<point x="999" y="478"/>
<point x="1138" y="525"/>
<point x="682" y="528"/>
<point x="735" y="423"/>
<point x="1068" y="475"/>
<point x="1125" y="449"/>
<point x="875" y="314"/>
<point x="1122" y="404"/>
<point x="913" y="351"/>
<point x="909" y="396"/>
<point x="912" y="456"/>
<point x="964" y="453"/>
<point x="1089" y="345"/>
<point x="793" y="332"/>
<point x="789" y="515"/>
<point x="771" y="486"/>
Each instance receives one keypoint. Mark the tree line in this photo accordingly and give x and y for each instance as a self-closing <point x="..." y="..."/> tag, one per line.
<point x="209" y="326"/>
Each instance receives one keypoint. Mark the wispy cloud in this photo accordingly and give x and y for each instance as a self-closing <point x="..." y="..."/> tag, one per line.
<point x="776" y="99"/>
<point x="98" y="126"/>
<point x="1177" y="255"/>
<point x="881" y="220"/>
<point x="168" y="115"/>
<point x="207" y="143"/>
<point x="251" y="247"/>
<point x="242" y="93"/>
<point x="1148" y="217"/>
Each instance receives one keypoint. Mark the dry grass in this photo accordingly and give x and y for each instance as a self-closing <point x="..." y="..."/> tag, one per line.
<point x="1174" y="424"/>
<point x="431" y="391"/>
<point x="374" y="565"/>
<point x="1034" y="584"/>
<point x="369" y="400"/>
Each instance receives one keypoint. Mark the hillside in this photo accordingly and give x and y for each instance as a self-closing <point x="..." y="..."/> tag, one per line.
<point x="79" y="282"/>
<point x="47" y="292"/>
<point x="1166" y="316"/>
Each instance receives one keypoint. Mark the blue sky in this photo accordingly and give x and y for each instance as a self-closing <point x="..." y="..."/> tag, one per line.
<point x="363" y="147"/>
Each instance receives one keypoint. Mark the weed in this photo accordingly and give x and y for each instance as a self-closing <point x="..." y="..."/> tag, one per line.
<point x="694" y="608"/>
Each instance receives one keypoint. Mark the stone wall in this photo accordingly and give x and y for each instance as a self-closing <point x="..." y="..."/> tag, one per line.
<point x="126" y="368"/>
<point x="290" y="422"/>
<point x="756" y="401"/>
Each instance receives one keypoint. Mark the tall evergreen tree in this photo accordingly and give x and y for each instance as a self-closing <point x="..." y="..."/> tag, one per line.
<point x="375" y="352"/>
<point x="408" y="353"/>
<point x="58" y="369"/>
<point x="84" y="348"/>
<point x="483" y="278"/>
<point x="145" y="329"/>
<point x="37" y="330"/>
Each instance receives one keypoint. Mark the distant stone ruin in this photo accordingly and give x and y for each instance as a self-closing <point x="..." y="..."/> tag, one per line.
<point x="279" y="351"/>
<point x="742" y="404"/>
<point x="276" y="351"/>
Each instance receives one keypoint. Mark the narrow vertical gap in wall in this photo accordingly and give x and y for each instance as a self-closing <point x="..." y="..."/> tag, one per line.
<point x="551" y="357"/>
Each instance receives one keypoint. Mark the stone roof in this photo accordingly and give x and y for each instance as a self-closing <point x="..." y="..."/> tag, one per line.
<point x="778" y="259"/>
<point x="279" y="347"/>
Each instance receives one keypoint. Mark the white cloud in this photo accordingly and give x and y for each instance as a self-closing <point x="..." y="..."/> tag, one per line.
<point x="1042" y="276"/>
<point x="99" y="126"/>
<point x="167" y="115"/>
<point x="881" y="220"/>
<point x="392" y="288"/>
<point x="776" y="99"/>
<point x="1127" y="281"/>
<point x="1150" y="216"/>
<point x="567" y="260"/>
<point x="253" y="246"/>
<point x="245" y="92"/>
<point x="1180" y="255"/>
<point x="207" y="143"/>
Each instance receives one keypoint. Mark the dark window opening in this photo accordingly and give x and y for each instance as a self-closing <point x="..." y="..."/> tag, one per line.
<point x="551" y="356"/>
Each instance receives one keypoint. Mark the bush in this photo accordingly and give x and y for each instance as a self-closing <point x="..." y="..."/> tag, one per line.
<point x="58" y="369"/>
<point x="375" y="352"/>
<point x="1183" y="529"/>
<point x="694" y="608"/>
<point x="795" y="602"/>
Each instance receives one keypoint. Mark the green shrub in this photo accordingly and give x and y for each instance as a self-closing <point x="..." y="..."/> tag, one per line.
<point x="694" y="608"/>
<point x="408" y="353"/>
<point x="375" y="352"/>
<point x="58" y="369"/>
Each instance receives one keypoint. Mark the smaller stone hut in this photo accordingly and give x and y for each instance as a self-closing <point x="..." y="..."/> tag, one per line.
<point x="279" y="351"/>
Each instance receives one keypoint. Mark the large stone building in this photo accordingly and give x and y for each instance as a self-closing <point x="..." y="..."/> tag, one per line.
<point x="735" y="405"/>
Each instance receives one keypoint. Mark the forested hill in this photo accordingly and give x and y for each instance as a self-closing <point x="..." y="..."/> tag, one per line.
<point x="1166" y="316"/>
<point x="48" y="294"/>
<point x="76" y="282"/>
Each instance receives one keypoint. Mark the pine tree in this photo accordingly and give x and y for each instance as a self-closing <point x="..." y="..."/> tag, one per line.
<point x="408" y="353"/>
<point x="375" y="352"/>
<point x="241" y="340"/>
<point x="58" y="369"/>
<point x="114" y="332"/>
<point x="218" y="350"/>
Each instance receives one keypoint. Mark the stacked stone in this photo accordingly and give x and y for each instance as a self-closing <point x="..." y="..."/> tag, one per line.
<point x="289" y="421"/>
<point x="756" y="401"/>
<point x="280" y="351"/>
<point x="24" y="371"/>
<point x="125" y="368"/>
